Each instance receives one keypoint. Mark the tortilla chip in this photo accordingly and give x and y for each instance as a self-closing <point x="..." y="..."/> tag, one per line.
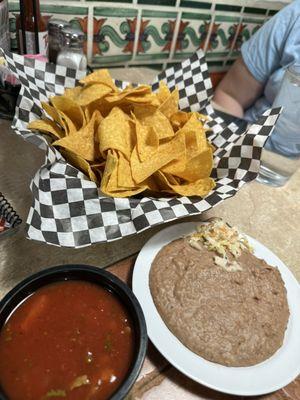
<point x="73" y="93"/>
<point x="70" y="111"/>
<point x="53" y="113"/>
<point x="109" y="183"/>
<point x="179" y="119"/>
<point x="195" y="144"/>
<point x="147" y="140"/>
<point x="163" y="92"/>
<point x="78" y="162"/>
<point x="82" y="142"/>
<point x="170" y="150"/>
<point x="47" y="126"/>
<point x="98" y="170"/>
<point x="138" y="95"/>
<point x="116" y="132"/>
<point x="93" y="92"/>
<point x="170" y="105"/>
<point x="124" y="179"/>
<point x="199" y="188"/>
<point x="100" y="76"/>
<point x="152" y="117"/>
<point x="196" y="168"/>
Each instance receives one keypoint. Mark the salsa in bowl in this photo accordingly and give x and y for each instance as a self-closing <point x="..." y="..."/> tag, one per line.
<point x="72" y="332"/>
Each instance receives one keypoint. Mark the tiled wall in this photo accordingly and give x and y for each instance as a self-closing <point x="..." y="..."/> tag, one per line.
<point x="157" y="33"/>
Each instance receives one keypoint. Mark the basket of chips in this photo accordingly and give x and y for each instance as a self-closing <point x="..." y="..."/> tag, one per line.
<point x="123" y="157"/>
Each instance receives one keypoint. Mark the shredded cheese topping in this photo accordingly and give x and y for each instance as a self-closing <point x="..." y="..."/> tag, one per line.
<point x="219" y="237"/>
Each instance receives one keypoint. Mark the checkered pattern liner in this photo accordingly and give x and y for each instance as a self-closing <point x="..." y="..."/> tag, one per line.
<point x="67" y="209"/>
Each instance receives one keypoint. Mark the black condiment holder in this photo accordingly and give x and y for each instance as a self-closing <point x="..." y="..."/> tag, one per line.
<point x="9" y="215"/>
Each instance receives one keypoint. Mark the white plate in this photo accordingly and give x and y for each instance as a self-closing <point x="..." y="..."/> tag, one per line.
<point x="266" y="377"/>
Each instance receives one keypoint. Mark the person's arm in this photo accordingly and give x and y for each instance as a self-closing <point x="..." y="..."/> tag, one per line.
<point x="275" y="45"/>
<point x="237" y="90"/>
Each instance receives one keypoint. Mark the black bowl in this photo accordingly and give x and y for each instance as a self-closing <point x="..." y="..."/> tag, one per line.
<point x="96" y="276"/>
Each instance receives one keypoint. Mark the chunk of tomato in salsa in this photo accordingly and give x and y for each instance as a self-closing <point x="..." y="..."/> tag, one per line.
<point x="72" y="340"/>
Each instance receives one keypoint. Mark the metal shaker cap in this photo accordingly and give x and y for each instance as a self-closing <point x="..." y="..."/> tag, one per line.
<point x="73" y="35"/>
<point x="56" y="24"/>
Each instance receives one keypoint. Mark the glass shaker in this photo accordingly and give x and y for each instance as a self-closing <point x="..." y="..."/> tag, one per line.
<point x="71" y="54"/>
<point x="55" y="27"/>
<point x="281" y="154"/>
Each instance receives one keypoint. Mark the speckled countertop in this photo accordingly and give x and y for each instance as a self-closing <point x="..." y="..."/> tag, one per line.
<point x="271" y="215"/>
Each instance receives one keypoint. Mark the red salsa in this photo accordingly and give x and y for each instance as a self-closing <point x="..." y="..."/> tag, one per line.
<point x="70" y="340"/>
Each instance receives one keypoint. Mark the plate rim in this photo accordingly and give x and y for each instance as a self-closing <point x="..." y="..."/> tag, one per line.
<point x="257" y="244"/>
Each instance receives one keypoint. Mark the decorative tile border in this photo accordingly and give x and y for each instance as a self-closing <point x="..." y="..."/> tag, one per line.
<point x="193" y="33"/>
<point x="114" y="31"/>
<point x="156" y="35"/>
<point x="159" y="33"/>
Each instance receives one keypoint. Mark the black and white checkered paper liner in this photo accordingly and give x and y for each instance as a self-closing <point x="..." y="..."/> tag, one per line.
<point x="67" y="209"/>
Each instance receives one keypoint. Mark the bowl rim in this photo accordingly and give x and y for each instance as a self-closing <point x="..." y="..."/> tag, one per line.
<point x="114" y="281"/>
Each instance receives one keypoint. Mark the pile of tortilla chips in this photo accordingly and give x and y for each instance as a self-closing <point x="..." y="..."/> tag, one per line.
<point x="130" y="141"/>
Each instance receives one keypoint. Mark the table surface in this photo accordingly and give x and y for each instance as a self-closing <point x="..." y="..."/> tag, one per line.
<point x="159" y="380"/>
<point x="271" y="215"/>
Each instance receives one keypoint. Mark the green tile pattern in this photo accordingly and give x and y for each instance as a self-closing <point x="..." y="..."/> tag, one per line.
<point x="255" y="10"/>
<point x="157" y="33"/>
<point x="63" y="10"/>
<point x="193" y="32"/>
<point x="115" y="12"/>
<point x="158" y="14"/>
<point x="195" y="4"/>
<point x="228" y="8"/>
<point x="113" y="34"/>
<point x="226" y="18"/>
<point x="158" y="2"/>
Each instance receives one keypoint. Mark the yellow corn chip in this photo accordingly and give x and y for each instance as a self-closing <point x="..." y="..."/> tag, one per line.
<point x="125" y="180"/>
<point x="170" y="105"/>
<point x="109" y="183"/>
<point x="163" y="92"/>
<point x="82" y="142"/>
<point x="92" y="93"/>
<point x="199" y="188"/>
<point x="147" y="140"/>
<point x="179" y="119"/>
<point x="53" y="113"/>
<point x="70" y="110"/>
<point x="171" y="150"/>
<point x="46" y="126"/>
<point x="151" y="117"/>
<point x="73" y="93"/>
<point x="198" y="167"/>
<point x="100" y="76"/>
<point x="116" y="132"/>
<point x="79" y="163"/>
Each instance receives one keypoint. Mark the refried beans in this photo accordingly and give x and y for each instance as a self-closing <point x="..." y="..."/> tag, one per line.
<point x="231" y="318"/>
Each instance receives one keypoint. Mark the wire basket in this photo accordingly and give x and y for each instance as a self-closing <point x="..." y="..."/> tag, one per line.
<point x="9" y="218"/>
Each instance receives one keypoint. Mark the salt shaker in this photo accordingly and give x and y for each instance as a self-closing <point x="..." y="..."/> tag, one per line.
<point x="55" y="26"/>
<point x="71" y="54"/>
